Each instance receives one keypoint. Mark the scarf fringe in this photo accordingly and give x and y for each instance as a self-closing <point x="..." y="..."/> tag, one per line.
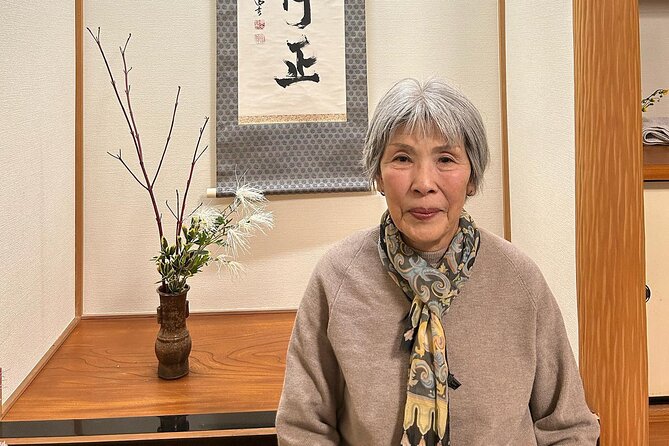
<point x="414" y="438"/>
<point x="426" y="414"/>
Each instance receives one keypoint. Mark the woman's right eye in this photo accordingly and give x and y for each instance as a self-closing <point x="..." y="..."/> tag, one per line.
<point x="401" y="158"/>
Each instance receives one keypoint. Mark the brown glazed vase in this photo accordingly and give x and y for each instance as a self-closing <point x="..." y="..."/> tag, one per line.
<point x="173" y="343"/>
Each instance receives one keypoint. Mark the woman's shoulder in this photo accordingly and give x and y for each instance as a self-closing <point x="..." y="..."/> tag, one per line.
<point x="342" y="261"/>
<point x="360" y="244"/>
<point x="500" y="258"/>
<point x="501" y="249"/>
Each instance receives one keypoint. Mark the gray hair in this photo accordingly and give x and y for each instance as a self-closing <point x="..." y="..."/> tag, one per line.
<point x="426" y="108"/>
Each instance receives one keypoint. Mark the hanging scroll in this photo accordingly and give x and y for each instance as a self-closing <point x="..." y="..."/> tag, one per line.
<point x="291" y="95"/>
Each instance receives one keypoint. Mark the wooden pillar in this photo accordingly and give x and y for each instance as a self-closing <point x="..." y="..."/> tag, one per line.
<point x="79" y="160"/>
<point x="504" y="126"/>
<point x="609" y="218"/>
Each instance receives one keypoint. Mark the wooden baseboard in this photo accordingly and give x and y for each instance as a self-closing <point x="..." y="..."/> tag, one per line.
<point x="4" y="408"/>
<point x="658" y="417"/>
<point x="658" y="413"/>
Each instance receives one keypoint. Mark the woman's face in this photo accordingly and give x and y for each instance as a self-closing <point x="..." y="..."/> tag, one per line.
<point x="425" y="181"/>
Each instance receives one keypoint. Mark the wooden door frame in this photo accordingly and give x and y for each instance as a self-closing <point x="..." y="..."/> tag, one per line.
<point x="79" y="160"/>
<point x="610" y="258"/>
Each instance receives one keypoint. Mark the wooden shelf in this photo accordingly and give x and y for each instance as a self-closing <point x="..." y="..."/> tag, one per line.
<point x="106" y="369"/>
<point x="656" y="163"/>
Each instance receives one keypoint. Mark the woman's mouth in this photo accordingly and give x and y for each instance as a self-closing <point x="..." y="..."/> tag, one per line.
<point x="423" y="213"/>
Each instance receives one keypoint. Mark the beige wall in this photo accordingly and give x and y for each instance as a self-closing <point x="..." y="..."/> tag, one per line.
<point x="37" y="157"/>
<point x="540" y="88"/>
<point x="654" y="35"/>
<point x="656" y="213"/>
<point x="172" y="46"/>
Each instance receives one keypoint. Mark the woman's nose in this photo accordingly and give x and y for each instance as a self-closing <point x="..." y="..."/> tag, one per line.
<point x="424" y="179"/>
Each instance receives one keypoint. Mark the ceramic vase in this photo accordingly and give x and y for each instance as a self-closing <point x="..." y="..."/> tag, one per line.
<point x="173" y="343"/>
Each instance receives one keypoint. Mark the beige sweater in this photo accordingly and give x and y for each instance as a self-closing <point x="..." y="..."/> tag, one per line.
<point x="346" y="374"/>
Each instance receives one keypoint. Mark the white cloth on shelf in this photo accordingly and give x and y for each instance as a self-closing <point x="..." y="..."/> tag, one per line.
<point x="655" y="131"/>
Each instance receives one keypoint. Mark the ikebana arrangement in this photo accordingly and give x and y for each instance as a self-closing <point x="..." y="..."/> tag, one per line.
<point x="227" y="229"/>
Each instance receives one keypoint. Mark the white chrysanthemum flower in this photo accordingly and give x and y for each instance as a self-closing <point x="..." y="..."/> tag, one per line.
<point x="261" y="220"/>
<point x="237" y="239"/>
<point x="207" y="215"/>
<point x="245" y="226"/>
<point x="235" y="268"/>
<point x="248" y="210"/>
<point x="249" y="197"/>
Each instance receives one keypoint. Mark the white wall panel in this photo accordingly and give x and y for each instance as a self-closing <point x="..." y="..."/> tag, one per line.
<point x="37" y="87"/>
<point x="654" y="40"/>
<point x="540" y="89"/>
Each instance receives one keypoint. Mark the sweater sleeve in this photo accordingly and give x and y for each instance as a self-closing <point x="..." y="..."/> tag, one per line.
<point x="557" y="404"/>
<point x="313" y="384"/>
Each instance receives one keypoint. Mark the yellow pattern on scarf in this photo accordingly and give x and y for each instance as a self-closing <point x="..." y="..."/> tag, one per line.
<point x="427" y="412"/>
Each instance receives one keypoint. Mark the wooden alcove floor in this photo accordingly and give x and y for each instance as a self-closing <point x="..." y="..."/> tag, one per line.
<point x="107" y="368"/>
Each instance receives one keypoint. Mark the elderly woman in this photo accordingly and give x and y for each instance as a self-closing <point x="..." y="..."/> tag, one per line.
<point x="428" y="330"/>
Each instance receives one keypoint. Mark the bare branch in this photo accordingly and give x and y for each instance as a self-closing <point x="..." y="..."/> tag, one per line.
<point x="134" y="133"/>
<point x="118" y="157"/>
<point x="113" y="82"/>
<point x="131" y="122"/>
<point x="195" y="210"/>
<point x="138" y="146"/>
<point x="177" y="191"/>
<point x="168" y="207"/>
<point x="201" y="153"/>
<point x="178" y="226"/>
<point x="169" y="136"/>
<point x="190" y="175"/>
<point x="97" y="39"/>
<point x="206" y="120"/>
<point x="126" y="43"/>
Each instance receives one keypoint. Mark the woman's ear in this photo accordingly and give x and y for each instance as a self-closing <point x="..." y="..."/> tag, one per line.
<point x="471" y="189"/>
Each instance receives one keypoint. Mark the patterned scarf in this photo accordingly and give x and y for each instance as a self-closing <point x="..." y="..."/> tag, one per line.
<point x="430" y="291"/>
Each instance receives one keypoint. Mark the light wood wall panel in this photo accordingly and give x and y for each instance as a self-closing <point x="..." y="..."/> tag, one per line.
<point x="609" y="218"/>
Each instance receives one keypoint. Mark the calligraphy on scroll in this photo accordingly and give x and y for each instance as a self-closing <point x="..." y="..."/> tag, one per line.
<point x="291" y="61"/>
